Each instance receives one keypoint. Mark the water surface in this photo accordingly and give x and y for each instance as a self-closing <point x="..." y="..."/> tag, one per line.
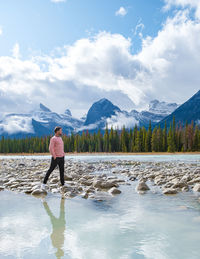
<point x="129" y="226"/>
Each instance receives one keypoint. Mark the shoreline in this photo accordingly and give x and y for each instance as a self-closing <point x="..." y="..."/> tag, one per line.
<point x="100" y="181"/>
<point x="104" y="153"/>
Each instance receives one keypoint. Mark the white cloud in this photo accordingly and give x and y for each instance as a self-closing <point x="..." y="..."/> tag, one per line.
<point x="119" y="120"/>
<point x="16" y="51"/>
<point x="139" y="28"/>
<point x="171" y="58"/>
<point x="121" y="12"/>
<point x="15" y="232"/>
<point x="58" y="1"/>
<point x="184" y="3"/>
<point x="167" y="68"/>
<point x="13" y="124"/>
<point x="1" y="30"/>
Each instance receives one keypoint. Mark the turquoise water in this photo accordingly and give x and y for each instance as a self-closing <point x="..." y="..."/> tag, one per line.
<point x="107" y="157"/>
<point x="128" y="226"/>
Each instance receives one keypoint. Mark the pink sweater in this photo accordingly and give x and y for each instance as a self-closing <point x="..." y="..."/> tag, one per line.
<point x="56" y="147"/>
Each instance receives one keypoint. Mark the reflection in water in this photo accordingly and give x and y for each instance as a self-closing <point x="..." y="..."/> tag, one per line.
<point x="58" y="224"/>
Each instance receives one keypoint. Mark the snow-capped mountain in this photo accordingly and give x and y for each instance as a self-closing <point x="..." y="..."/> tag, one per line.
<point x="38" y="122"/>
<point x="156" y="112"/>
<point x="100" y="111"/>
<point x="187" y="112"/>
<point x="157" y="107"/>
<point x="42" y="121"/>
<point x="104" y="112"/>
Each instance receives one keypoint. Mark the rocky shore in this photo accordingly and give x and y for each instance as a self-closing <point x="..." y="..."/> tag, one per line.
<point x="98" y="180"/>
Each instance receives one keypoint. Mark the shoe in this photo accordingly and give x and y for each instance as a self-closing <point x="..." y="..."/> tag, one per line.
<point x="43" y="186"/>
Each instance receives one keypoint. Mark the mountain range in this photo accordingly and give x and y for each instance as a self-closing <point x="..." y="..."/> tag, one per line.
<point x="42" y="121"/>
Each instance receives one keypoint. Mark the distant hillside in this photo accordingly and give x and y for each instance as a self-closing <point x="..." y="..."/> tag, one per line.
<point x="188" y="111"/>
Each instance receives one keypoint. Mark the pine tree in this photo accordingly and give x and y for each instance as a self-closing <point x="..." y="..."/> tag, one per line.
<point x="154" y="141"/>
<point x="165" y="138"/>
<point x="106" y="140"/>
<point x="139" y="143"/>
<point x="170" y="140"/>
<point x="159" y="139"/>
<point x="148" y="139"/>
<point x="111" y="140"/>
<point x="123" y="140"/>
<point x="196" y="145"/>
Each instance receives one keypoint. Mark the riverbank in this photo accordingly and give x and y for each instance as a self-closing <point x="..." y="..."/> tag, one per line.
<point x="99" y="180"/>
<point x="103" y="153"/>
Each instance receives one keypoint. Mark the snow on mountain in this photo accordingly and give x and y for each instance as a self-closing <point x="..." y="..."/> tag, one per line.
<point x="38" y="122"/>
<point x="68" y="112"/>
<point x="44" y="108"/>
<point x="164" y="108"/>
<point x="41" y="121"/>
<point x="187" y="112"/>
<point x="99" y="110"/>
<point x="104" y="112"/>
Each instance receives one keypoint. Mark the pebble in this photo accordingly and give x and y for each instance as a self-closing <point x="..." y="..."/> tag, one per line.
<point x="114" y="190"/>
<point x="85" y="180"/>
<point x="196" y="188"/>
<point x="170" y="191"/>
<point x="142" y="186"/>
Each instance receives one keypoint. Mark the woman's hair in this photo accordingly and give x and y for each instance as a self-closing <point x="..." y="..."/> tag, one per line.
<point x="57" y="128"/>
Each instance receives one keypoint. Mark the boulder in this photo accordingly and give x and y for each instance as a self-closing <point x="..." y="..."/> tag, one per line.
<point x="109" y="184"/>
<point x="27" y="191"/>
<point x="185" y="189"/>
<point x="132" y="178"/>
<point x="39" y="192"/>
<point x="196" y="188"/>
<point x="54" y="180"/>
<point x="54" y="190"/>
<point x="68" y="178"/>
<point x="114" y="190"/>
<point x="169" y="191"/>
<point x="179" y="185"/>
<point x="195" y="180"/>
<point x="142" y="186"/>
<point x="97" y="183"/>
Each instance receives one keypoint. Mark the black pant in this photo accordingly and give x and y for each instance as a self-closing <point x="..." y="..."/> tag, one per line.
<point x="60" y="161"/>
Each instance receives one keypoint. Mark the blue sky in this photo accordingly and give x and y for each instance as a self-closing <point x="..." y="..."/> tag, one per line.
<point x="41" y="26"/>
<point x="69" y="54"/>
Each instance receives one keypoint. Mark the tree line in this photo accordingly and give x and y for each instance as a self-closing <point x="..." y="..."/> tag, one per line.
<point x="137" y="139"/>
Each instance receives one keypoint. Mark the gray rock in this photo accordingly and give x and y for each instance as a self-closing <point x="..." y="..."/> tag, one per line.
<point x="97" y="183"/>
<point x="68" y="178"/>
<point x="169" y="191"/>
<point x="54" y="190"/>
<point x="114" y="190"/>
<point x="196" y="188"/>
<point x="109" y="184"/>
<point x="185" y="189"/>
<point x="54" y="180"/>
<point x="27" y="191"/>
<point x="1" y="188"/>
<point x="142" y="186"/>
<point x="195" y="180"/>
<point x="39" y="192"/>
<point x="84" y="195"/>
<point x="179" y="185"/>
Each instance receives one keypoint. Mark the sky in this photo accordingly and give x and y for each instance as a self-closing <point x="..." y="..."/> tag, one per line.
<point x="69" y="54"/>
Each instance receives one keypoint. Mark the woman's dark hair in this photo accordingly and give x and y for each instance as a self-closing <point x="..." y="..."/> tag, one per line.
<point x="57" y="128"/>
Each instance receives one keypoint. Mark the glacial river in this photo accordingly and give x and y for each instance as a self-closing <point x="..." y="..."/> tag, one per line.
<point x="129" y="226"/>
